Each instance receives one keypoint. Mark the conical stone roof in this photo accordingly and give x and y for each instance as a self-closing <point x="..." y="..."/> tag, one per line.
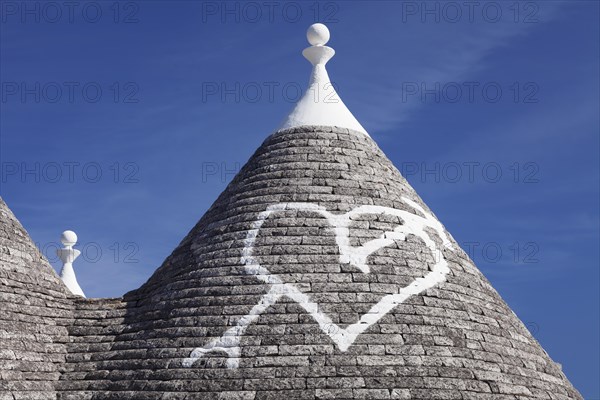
<point x="35" y="310"/>
<point x="318" y="273"/>
<point x="257" y="299"/>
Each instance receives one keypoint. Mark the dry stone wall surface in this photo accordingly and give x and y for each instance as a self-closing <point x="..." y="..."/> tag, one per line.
<point x="317" y="274"/>
<point x="35" y="311"/>
<point x="456" y="340"/>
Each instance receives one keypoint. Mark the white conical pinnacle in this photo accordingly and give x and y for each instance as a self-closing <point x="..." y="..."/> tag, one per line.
<point x="68" y="255"/>
<point x="320" y="104"/>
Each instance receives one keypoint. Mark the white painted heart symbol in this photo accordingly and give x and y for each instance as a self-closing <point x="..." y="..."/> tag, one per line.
<point x="353" y="255"/>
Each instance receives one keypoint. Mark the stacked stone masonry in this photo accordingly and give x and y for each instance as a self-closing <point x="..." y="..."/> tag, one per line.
<point x="35" y="311"/>
<point x="457" y="340"/>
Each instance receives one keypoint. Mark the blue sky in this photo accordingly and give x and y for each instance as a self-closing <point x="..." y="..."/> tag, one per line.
<point x="124" y="121"/>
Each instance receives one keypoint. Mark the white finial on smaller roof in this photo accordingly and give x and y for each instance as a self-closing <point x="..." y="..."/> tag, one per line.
<point x="68" y="255"/>
<point x="68" y="238"/>
<point x="320" y="104"/>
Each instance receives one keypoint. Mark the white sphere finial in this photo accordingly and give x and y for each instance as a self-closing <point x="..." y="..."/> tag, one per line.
<point x="317" y="34"/>
<point x="68" y="238"/>
<point x="68" y="256"/>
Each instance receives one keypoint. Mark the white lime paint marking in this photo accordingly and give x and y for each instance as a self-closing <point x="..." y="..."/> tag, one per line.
<point x="353" y="255"/>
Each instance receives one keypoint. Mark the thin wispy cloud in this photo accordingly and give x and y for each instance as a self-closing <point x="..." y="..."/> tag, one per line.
<point x="446" y="53"/>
